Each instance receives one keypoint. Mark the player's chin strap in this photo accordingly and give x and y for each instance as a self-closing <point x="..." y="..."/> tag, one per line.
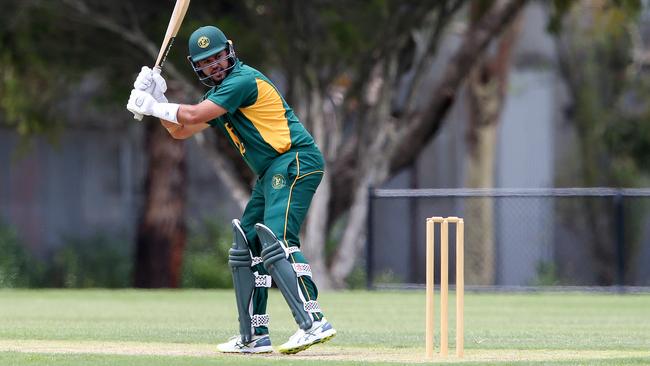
<point x="285" y="275"/>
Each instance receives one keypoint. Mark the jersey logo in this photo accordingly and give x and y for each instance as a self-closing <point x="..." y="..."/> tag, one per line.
<point x="278" y="181"/>
<point x="235" y="139"/>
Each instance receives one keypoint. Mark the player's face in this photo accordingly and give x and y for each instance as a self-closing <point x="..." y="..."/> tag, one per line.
<point x="215" y="65"/>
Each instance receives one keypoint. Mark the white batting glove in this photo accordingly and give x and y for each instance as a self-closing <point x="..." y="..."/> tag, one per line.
<point x="152" y="82"/>
<point x="143" y="103"/>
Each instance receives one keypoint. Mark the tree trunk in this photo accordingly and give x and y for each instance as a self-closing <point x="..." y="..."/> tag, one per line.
<point x="372" y="169"/>
<point x="315" y="230"/>
<point x="226" y="169"/>
<point x="481" y="249"/>
<point x="162" y="230"/>
<point x="354" y="236"/>
<point x="486" y="92"/>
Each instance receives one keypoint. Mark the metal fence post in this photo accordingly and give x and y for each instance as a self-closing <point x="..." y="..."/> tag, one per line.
<point x="619" y="209"/>
<point x="369" y="244"/>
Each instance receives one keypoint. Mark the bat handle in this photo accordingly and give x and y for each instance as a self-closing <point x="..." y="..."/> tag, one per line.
<point x="138" y="116"/>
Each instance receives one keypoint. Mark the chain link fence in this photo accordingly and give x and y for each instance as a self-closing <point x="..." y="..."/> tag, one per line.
<point x="515" y="237"/>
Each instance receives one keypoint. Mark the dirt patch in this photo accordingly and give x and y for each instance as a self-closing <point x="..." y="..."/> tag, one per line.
<point x="321" y="352"/>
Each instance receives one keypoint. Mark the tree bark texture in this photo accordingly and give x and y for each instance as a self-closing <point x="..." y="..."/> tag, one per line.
<point x="486" y="91"/>
<point x="162" y="230"/>
<point x="315" y="227"/>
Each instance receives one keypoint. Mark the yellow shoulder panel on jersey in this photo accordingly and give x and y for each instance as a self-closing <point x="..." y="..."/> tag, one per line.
<point x="268" y="116"/>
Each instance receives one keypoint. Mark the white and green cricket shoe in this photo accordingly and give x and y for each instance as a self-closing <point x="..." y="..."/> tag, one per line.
<point x="259" y="344"/>
<point x="320" y="331"/>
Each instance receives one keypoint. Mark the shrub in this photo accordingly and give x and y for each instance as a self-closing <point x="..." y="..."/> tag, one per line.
<point x="205" y="261"/>
<point x="14" y="259"/>
<point x="95" y="261"/>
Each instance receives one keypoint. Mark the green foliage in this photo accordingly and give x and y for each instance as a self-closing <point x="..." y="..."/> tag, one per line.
<point x="546" y="275"/>
<point x="95" y="261"/>
<point x="630" y="142"/>
<point x="30" y="83"/>
<point x="558" y="9"/>
<point x="357" y="279"/>
<point x="46" y="50"/>
<point x="25" y="102"/>
<point x="622" y="10"/>
<point x="205" y="262"/>
<point x="388" y="277"/>
<point x="14" y="259"/>
<point x="609" y="111"/>
<point x="609" y="94"/>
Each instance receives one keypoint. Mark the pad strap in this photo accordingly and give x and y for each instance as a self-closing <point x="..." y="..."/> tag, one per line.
<point x="262" y="280"/>
<point x="302" y="269"/>
<point x="312" y="306"/>
<point x="260" y="320"/>
<point x="291" y="250"/>
<point x="256" y="260"/>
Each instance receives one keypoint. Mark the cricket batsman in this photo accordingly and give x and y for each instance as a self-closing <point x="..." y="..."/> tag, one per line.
<point x="249" y="110"/>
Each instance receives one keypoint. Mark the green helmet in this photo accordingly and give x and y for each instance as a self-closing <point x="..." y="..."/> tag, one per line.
<point x="206" y="42"/>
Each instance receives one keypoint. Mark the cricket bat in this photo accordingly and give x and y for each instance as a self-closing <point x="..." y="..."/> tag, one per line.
<point x="172" y="29"/>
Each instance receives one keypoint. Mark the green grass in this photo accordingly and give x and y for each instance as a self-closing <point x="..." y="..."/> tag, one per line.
<point x="130" y="327"/>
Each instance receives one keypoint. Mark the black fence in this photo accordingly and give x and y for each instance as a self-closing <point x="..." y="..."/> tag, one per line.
<point x="515" y="237"/>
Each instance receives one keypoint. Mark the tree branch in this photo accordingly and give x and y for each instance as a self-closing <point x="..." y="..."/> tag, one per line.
<point x="179" y="86"/>
<point x="422" y="126"/>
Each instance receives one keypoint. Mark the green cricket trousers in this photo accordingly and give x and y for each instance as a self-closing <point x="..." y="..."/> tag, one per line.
<point x="280" y="200"/>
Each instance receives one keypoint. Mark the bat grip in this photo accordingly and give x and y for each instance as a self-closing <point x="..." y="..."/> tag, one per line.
<point x="138" y="116"/>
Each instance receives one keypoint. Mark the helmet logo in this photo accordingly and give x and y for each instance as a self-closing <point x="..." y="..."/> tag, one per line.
<point x="203" y="42"/>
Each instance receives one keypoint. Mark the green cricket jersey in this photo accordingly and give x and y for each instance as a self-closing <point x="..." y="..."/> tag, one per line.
<point x="259" y="122"/>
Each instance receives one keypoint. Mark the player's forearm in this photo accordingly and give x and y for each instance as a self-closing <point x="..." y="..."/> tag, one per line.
<point x="190" y="115"/>
<point x="177" y="131"/>
<point x="180" y="131"/>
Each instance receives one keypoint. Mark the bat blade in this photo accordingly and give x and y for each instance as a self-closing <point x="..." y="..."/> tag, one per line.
<point x="172" y="29"/>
